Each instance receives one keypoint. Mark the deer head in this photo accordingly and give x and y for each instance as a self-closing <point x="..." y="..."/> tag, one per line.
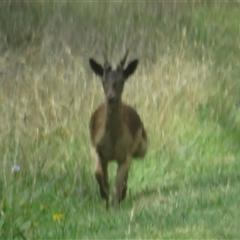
<point x="113" y="80"/>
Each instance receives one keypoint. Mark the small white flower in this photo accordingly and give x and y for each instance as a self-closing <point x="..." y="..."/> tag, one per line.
<point x="16" y="168"/>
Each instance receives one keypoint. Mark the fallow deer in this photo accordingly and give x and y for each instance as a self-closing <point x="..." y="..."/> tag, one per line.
<point x="116" y="130"/>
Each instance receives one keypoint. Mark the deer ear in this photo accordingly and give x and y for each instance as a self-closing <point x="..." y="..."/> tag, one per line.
<point x="97" y="68"/>
<point x="130" y="69"/>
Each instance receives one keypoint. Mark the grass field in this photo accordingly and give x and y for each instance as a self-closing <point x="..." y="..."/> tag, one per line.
<point x="186" y="90"/>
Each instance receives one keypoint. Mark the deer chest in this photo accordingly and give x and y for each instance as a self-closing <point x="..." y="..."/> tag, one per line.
<point x="114" y="145"/>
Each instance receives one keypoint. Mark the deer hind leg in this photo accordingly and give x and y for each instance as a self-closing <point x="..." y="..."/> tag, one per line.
<point x="142" y="148"/>
<point x="124" y="187"/>
<point x="121" y="182"/>
<point x="101" y="175"/>
<point x="142" y="145"/>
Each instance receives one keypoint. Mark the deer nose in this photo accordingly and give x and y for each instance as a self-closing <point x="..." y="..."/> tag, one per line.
<point x="110" y="99"/>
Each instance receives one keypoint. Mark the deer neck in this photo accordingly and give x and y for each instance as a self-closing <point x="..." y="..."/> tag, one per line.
<point x="114" y="116"/>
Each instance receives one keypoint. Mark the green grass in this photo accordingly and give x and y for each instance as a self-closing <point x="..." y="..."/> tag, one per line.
<point x="186" y="89"/>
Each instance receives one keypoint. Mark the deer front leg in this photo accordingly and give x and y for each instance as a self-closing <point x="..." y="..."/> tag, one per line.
<point x="121" y="182"/>
<point x="101" y="175"/>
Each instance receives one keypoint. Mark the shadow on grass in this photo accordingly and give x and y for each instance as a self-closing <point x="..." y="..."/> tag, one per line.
<point x="161" y="192"/>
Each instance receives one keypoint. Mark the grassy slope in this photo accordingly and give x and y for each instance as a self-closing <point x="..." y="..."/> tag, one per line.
<point x="185" y="90"/>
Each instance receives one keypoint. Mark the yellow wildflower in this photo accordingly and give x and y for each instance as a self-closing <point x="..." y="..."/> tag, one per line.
<point x="58" y="216"/>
